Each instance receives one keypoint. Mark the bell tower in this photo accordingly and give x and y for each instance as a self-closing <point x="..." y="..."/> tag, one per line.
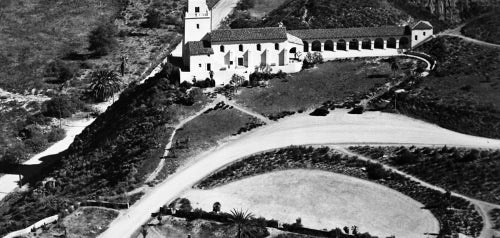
<point x="197" y="20"/>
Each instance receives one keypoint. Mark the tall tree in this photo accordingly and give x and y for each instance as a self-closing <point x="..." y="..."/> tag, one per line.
<point x="102" y="39"/>
<point x="105" y="83"/>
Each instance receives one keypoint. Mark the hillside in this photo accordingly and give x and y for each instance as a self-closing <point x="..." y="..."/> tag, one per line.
<point x="485" y="28"/>
<point x="462" y="93"/>
<point x="110" y="157"/>
<point x="300" y="14"/>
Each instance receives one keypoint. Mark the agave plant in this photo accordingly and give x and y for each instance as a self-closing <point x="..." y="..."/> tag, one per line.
<point x="105" y="83"/>
<point x="242" y="220"/>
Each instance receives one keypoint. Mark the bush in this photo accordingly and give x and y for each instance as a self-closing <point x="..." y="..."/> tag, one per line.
<point x="312" y="59"/>
<point x="153" y="19"/>
<point x="60" y="70"/>
<point x="61" y="106"/>
<point x="102" y="39"/>
<point x="376" y="171"/>
<point x="56" y="134"/>
<point x="320" y="112"/>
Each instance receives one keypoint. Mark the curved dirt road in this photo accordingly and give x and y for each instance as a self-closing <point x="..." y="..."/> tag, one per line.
<point x="336" y="128"/>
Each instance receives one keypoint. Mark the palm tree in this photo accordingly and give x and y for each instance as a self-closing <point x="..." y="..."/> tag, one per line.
<point x="105" y="83"/>
<point x="241" y="219"/>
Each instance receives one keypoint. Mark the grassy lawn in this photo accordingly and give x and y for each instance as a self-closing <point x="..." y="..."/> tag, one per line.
<point x="485" y="28"/>
<point x="310" y="88"/>
<point x="205" y="132"/>
<point x="84" y="222"/>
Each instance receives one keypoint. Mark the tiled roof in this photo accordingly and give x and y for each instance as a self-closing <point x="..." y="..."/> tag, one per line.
<point x="311" y="34"/>
<point x="211" y="3"/>
<point x="248" y="34"/>
<point x="422" y="25"/>
<point x="198" y="48"/>
<point x="294" y="39"/>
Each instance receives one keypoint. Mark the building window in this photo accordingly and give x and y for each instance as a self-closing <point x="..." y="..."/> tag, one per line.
<point x="221" y="48"/>
<point x="258" y="47"/>
<point x="241" y="48"/>
<point x="424" y="33"/>
<point x="197" y="9"/>
<point x="231" y="62"/>
<point x="277" y="46"/>
<point x="416" y="37"/>
<point x="197" y="26"/>
<point x="199" y="65"/>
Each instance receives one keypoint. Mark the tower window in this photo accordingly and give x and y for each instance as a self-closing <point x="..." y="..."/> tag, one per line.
<point x="416" y="37"/>
<point x="258" y="47"/>
<point x="197" y="9"/>
<point x="197" y="26"/>
<point x="277" y="46"/>
<point x="241" y="47"/>
<point x="221" y="48"/>
<point x="424" y="33"/>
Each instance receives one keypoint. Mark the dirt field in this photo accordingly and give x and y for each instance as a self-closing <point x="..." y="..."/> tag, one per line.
<point x="322" y="200"/>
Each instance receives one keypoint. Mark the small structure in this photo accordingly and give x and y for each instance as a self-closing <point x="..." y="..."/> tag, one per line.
<point x="209" y="52"/>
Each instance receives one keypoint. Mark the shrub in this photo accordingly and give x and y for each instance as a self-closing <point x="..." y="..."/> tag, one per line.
<point x="376" y="171"/>
<point x="102" y="39"/>
<point x="36" y="143"/>
<point x="312" y="59"/>
<point x="60" y="70"/>
<point x="153" y="19"/>
<point x="61" y="106"/>
<point x="56" y="134"/>
<point x="320" y="112"/>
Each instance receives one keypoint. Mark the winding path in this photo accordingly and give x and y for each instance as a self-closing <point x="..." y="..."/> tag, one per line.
<point x="457" y="32"/>
<point x="337" y="128"/>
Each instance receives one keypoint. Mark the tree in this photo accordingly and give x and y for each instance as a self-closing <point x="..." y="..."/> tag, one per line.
<point x="241" y="219"/>
<point x="237" y="81"/>
<point x="144" y="231"/>
<point x="394" y="66"/>
<point x="102" y="39"/>
<point x="105" y="83"/>
<point x="153" y="19"/>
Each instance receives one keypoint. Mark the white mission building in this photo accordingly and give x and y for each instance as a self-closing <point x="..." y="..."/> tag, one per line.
<point x="240" y="51"/>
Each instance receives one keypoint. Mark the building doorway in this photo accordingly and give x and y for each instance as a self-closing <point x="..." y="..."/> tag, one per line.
<point x="209" y="67"/>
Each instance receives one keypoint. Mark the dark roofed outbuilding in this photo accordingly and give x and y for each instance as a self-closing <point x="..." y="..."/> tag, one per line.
<point x="248" y="34"/>
<point x="422" y="25"/>
<point x="358" y="32"/>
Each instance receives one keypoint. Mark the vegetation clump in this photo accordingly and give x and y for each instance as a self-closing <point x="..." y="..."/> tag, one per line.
<point x="470" y="172"/>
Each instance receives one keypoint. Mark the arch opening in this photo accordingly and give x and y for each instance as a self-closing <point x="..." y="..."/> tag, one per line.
<point x="404" y="43"/>
<point x="341" y="45"/>
<point x="379" y="43"/>
<point x="328" y="45"/>
<point x="366" y="44"/>
<point x="354" y="44"/>
<point x="316" y="46"/>
<point x="391" y="43"/>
